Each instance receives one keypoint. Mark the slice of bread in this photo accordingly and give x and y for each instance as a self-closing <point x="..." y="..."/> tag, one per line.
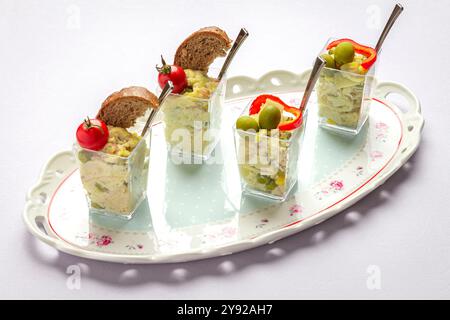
<point x="122" y="108"/>
<point x="201" y="48"/>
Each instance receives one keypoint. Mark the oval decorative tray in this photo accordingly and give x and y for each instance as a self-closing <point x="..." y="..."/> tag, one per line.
<point x="197" y="211"/>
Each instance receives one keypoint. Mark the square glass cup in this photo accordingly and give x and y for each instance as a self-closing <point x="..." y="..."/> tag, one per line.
<point x="344" y="98"/>
<point x="192" y="125"/>
<point x="267" y="160"/>
<point x="114" y="185"/>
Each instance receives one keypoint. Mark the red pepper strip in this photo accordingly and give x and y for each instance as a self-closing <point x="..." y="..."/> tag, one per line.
<point x="260" y="100"/>
<point x="287" y="125"/>
<point x="368" y="52"/>
<point x="293" y="123"/>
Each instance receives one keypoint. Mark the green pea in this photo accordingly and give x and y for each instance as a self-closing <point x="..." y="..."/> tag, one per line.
<point x="247" y="123"/>
<point x="263" y="179"/>
<point x="271" y="185"/>
<point x="344" y="53"/>
<point x="269" y="117"/>
<point x="329" y="60"/>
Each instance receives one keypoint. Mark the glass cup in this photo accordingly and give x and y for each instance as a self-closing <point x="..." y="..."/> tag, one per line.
<point x="268" y="159"/>
<point x="192" y="125"/>
<point x="114" y="185"/>
<point x="344" y="98"/>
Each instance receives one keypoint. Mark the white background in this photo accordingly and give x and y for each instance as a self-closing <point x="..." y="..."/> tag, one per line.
<point x="60" y="59"/>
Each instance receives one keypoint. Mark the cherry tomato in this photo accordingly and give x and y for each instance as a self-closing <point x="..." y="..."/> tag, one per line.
<point x="92" y="134"/>
<point x="173" y="73"/>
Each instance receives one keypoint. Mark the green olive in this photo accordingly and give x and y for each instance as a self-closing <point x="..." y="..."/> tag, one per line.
<point x="344" y="53"/>
<point x="269" y="117"/>
<point x="247" y="123"/>
<point x="329" y="60"/>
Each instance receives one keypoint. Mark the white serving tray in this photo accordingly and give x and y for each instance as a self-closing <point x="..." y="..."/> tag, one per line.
<point x="197" y="211"/>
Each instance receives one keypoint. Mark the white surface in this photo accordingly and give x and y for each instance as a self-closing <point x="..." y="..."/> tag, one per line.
<point x="53" y="73"/>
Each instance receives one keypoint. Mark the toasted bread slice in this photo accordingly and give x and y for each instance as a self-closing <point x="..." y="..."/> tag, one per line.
<point x="122" y="108"/>
<point x="201" y="48"/>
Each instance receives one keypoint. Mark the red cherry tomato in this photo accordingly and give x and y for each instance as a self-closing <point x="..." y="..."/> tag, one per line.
<point x="173" y="73"/>
<point x="92" y="134"/>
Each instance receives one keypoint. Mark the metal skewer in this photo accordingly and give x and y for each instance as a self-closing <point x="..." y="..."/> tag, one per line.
<point x="318" y="66"/>
<point x="164" y="93"/>
<point x="394" y="15"/>
<point x="243" y="34"/>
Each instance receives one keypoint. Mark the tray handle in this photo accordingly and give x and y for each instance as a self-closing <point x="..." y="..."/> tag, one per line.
<point x="414" y="113"/>
<point x="32" y="217"/>
<point x="34" y="214"/>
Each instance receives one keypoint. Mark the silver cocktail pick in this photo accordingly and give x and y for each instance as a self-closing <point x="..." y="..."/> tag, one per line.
<point x="318" y="66"/>
<point x="243" y="34"/>
<point x="394" y="15"/>
<point x="164" y="93"/>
